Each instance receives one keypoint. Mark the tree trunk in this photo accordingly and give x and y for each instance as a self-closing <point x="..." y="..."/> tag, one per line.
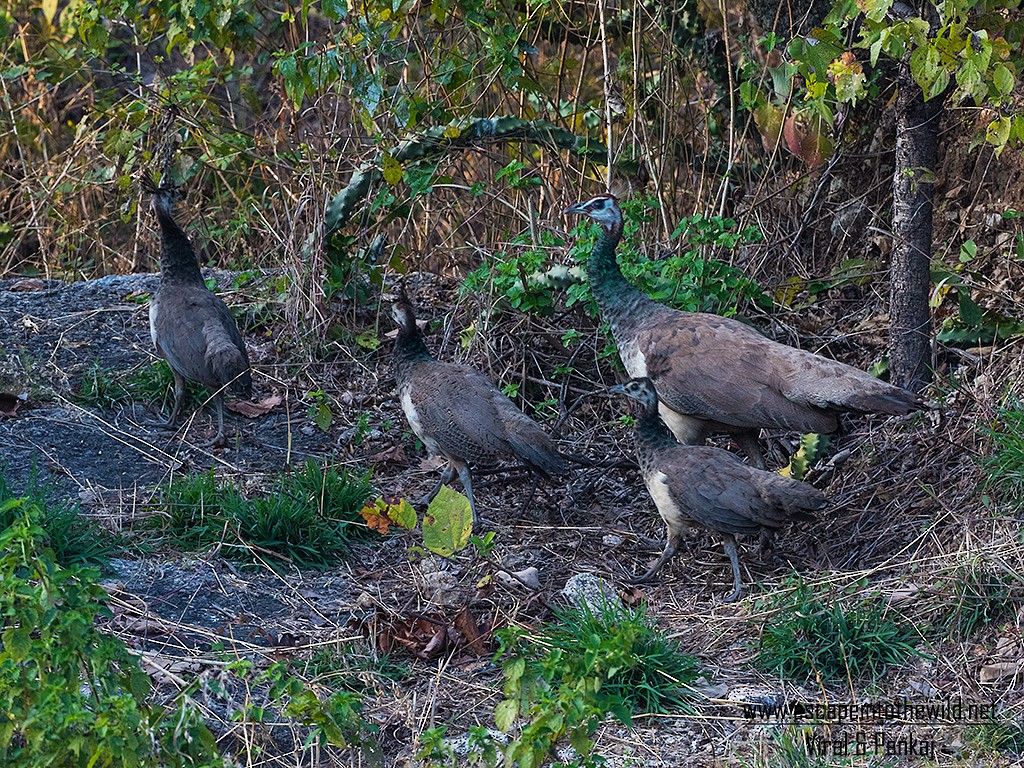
<point x="917" y="127"/>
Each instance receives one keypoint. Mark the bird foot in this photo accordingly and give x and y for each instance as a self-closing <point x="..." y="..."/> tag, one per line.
<point x="219" y="441"/>
<point x="733" y="596"/>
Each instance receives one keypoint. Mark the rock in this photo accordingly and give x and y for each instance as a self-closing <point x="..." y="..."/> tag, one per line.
<point x="591" y="591"/>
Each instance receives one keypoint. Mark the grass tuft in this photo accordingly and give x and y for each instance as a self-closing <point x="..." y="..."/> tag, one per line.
<point x="981" y="594"/>
<point x="1003" y="464"/>
<point x="306" y="519"/>
<point x="830" y="636"/>
<point x="588" y="663"/>
<point x="74" y="538"/>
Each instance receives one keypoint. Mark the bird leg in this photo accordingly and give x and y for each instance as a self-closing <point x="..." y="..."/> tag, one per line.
<point x="671" y="545"/>
<point x="748" y="442"/>
<point x="467" y="484"/>
<point x="218" y="441"/>
<point x="729" y="545"/>
<point x="446" y="477"/>
<point x="179" y="397"/>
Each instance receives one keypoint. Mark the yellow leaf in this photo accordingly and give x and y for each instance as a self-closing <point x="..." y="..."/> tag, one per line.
<point x="49" y="10"/>
<point x="392" y="169"/>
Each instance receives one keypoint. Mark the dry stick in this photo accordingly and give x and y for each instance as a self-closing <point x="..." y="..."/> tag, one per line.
<point x="607" y="101"/>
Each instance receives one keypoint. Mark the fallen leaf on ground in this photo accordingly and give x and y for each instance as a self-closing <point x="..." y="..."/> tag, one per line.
<point x="993" y="673"/>
<point x="394" y="455"/>
<point x="471" y="632"/>
<point x="252" y="410"/>
<point x="28" y="284"/>
<point x="374" y="520"/>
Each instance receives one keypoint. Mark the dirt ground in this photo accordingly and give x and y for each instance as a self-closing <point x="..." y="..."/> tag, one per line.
<point x="904" y="519"/>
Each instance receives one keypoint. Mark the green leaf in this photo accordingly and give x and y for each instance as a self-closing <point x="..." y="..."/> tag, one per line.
<point x="448" y="522"/>
<point x="505" y="715"/>
<point x="998" y="132"/>
<point x="970" y="313"/>
<point x="334" y="10"/>
<point x="1003" y="79"/>
<point x="324" y="417"/>
<point x="402" y="514"/>
<point x="18" y="642"/>
<point x="49" y="8"/>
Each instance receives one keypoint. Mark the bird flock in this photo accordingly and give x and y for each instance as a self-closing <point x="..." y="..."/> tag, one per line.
<point x="691" y="375"/>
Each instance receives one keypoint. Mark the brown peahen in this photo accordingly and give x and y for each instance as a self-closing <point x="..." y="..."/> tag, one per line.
<point x="459" y="414"/>
<point x="715" y="374"/>
<point x="709" y="486"/>
<point x="192" y="328"/>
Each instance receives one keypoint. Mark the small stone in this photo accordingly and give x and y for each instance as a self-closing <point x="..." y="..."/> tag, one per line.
<point x="528" y="577"/>
<point x="587" y="589"/>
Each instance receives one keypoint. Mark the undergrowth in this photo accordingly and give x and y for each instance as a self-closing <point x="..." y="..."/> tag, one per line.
<point x="73" y="695"/>
<point x="70" y="694"/>
<point x="74" y="538"/>
<point x="1003" y="463"/>
<point x="566" y="678"/>
<point x="980" y="594"/>
<point x="830" y="636"/>
<point x="682" y="275"/>
<point x="306" y="518"/>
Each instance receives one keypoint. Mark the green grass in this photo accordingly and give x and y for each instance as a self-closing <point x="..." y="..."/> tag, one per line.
<point x="654" y="672"/>
<point x="73" y="695"/>
<point x="105" y="388"/>
<point x="832" y="636"/>
<point x="306" y="518"/>
<point x="981" y="594"/>
<point x="794" y="747"/>
<point x="1003" y="464"/>
<point x="74" y="538"/>
<point x="353" y="666"/>
<point x="997" y="735"/>
<point x="564" y="679"/>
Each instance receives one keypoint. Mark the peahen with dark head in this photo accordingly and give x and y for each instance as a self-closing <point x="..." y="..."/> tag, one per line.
<point x="715" y="374"/>
<point x="191" y="326"/>
<point x="709" y="486"/>
<point x="459" y="414"/>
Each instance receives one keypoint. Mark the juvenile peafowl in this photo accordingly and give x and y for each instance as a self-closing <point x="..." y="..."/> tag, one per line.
<point x="191" y="326"/>
<point x="459" y="414"/>
<point x="709" y="486"/>
<point x="715" y="374"/>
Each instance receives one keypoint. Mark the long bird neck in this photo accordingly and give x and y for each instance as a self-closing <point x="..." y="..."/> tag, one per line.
<point x="651" y="434"/>
<point x="409" y="349"/>
<point x="616" y="296"/>
<point x="177" y="258"/>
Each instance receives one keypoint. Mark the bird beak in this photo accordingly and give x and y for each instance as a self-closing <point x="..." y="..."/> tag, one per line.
<point x="576" y="208"/>
<point x="616" y="389"/>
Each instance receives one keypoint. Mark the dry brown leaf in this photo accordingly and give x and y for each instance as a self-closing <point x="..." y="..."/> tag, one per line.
<point x="252" y="410"/>
<point x="394" y="455"/>
<point x="28" y="284"/>
<point x="993" y="673"/>
<point x="374" y="520"/>
<point x="430" y="463"/>
<point x="467" y="627"/>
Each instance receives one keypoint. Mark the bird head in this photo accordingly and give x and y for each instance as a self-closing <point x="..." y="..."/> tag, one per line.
<point x="402" y="312"/>
<point x="642" y="390"/>
<point x="604" y="209"/>
<point x="164" y="196"/>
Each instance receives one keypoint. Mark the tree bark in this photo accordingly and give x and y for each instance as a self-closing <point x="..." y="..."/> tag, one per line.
<point x="917" y="128"/>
